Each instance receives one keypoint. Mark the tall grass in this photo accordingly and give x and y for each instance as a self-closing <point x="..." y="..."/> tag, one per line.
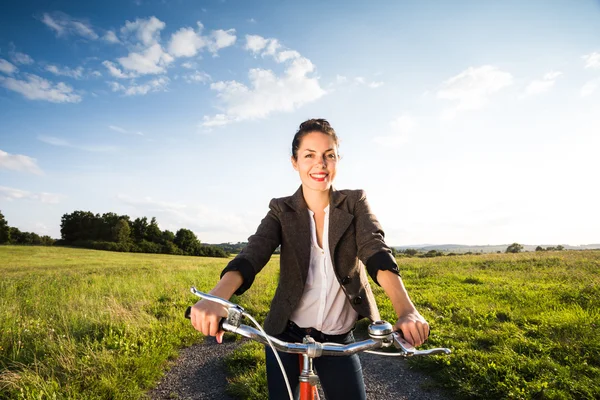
<point x="86" y="324"/>
<point x="521" y="326"/>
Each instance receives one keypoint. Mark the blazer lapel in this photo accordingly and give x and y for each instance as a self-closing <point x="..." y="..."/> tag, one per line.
<point x="339" y="221"/>
<point x="298" y="227"/>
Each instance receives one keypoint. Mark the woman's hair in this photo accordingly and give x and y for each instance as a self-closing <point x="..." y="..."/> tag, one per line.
<point x="312" y="125"/>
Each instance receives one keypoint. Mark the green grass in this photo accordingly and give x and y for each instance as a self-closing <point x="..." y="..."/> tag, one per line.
<point x="521" y="326"/>
<point x="88" y="324"/>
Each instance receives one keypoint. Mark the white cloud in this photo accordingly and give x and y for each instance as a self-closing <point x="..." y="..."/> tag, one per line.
<point x="123" y="130"/>
<point x="375" y="85"/>
<point x="117" y="128"/>
<point x="37" y="88"/>
<point x="18" y="162"/>
<point x="145" y="30"/>
<point x="54" y="141"/>
<point x="11" y="194"/>
<point x="116" y="72"/>
<point x="21" y="58"/>
<point x="153" y="60"/>
<point x="54" y="25"/>
<point x="216" y="120"/>
<point x="543" y="85"/>
<point x="592" y="60"/>
<point x="155" y="85"/>
<point x="341" y="80"/>
<point x="111" y="37"/>
<point x="84" y="30"/>
<point x="266" y="94"/>
<point x="286" y="55"/>
<point x="259" y="45"/>
<point x="76" y="73"/>
<point x="197" y="77"/>
<point x="221" y="39"/>
<point x="471" y="89"/>
<point x="255" y="43"/>
<point x="186" y="43"/>
<point x="401" y="127"/>
<point x="7" y="67"/>
<point x="64" y="25"/>
<point x="590" y="87"/>
<point x="189" y="65"/>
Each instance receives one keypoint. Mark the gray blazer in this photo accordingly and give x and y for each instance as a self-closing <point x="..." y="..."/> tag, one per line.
<point x="355" y="238"/>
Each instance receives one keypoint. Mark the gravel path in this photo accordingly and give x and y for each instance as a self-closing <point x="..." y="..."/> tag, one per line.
<point x="199" y="373"/>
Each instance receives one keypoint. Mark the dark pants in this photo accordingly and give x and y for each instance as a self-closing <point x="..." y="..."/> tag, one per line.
<point x="340" y="376"/>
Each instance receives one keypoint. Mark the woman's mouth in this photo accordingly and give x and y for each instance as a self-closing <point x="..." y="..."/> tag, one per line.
<point x="319" y="177"/>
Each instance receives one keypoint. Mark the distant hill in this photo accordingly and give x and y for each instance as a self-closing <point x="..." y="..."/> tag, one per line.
<point x="461" y="248"/>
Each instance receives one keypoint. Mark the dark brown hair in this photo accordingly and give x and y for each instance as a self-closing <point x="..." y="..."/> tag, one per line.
<point x="312" y="125"/>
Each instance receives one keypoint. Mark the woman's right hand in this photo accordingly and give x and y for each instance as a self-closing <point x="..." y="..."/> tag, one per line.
<point x="206" y="315"/>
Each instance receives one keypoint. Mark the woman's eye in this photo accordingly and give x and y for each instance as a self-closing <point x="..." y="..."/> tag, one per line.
<point x="308" y="155"/>
<point x="332" y="156"/>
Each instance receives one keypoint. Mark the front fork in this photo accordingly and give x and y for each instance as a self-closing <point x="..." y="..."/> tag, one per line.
<point x="308" y="379"/>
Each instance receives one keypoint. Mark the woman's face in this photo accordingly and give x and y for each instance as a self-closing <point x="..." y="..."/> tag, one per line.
<point x="317" y="161"/>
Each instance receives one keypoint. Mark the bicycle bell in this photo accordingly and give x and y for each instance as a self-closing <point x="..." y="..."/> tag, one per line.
<point x="380" y="329"/>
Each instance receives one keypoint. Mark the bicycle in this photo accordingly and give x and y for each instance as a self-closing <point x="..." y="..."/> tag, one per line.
<point x="381" y="335"/>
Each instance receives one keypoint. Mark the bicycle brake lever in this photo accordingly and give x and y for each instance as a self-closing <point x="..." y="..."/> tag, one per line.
<point x="409" y="350"/>
<point x="215" y="299"/>
<point x="401" y="344"/>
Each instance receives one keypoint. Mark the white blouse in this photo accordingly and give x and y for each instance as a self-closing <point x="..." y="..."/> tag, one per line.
<point x="323" y="305"/>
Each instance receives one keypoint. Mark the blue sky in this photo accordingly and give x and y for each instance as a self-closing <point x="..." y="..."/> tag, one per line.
<point x="466" y="122"/>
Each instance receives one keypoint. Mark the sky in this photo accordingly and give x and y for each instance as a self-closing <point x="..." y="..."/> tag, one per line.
<point x="465" y="122"/>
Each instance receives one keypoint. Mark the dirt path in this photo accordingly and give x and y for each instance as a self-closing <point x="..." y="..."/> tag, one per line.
<point x="199" y="373"/>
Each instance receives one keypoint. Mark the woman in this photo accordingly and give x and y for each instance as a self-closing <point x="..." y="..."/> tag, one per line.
<point x="326" y="236"/>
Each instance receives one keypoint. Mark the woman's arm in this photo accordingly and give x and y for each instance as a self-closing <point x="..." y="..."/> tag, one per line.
<point x="413" y="326"/>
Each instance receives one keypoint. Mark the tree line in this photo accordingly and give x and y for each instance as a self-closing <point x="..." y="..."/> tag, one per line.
<point x="114" y="232"/>
<point x="12" y="235"/>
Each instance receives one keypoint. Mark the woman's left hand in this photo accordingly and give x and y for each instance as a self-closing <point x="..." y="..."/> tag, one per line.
<point x="414" y="328"/>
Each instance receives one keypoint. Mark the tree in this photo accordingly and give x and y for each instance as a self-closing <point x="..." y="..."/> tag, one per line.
<point x="167" y="236"/>
<point x="410" y="252"/>
<point x="121" y="231"/>
<point x="186" y="240"/>
<point x="560" y="247"/>
<point x="4" y="230"/>
<point x="153" y="232"/>
<point x="539" y="248"/>
<point x="514" y="248"/>
<point x="80" y="225"/>
<point x="138" y="229"/>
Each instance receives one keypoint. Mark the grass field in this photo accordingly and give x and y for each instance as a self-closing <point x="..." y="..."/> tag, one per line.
<point x="87" y="324"/>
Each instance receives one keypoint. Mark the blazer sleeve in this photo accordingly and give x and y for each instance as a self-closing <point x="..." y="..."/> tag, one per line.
<point x="371" y="247"/>
<point x="251" y="260"/>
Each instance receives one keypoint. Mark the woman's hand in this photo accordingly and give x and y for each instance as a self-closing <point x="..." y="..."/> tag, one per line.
<point x="205" y="317"/>
<point x="414" y="328"/>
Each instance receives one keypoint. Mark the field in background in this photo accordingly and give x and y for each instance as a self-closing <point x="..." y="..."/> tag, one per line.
<point x="86" y="324"/>
<point x="521" y="326"/>
<point x="91" y="324"/>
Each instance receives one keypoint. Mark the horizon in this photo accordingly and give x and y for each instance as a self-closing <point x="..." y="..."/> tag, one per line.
<point x="466" y="122"/>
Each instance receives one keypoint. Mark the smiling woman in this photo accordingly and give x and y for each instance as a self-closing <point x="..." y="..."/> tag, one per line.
<point x="326" y="236"/>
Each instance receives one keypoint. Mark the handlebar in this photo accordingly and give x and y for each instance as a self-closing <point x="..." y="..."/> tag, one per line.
<point x="380" y="332"/>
